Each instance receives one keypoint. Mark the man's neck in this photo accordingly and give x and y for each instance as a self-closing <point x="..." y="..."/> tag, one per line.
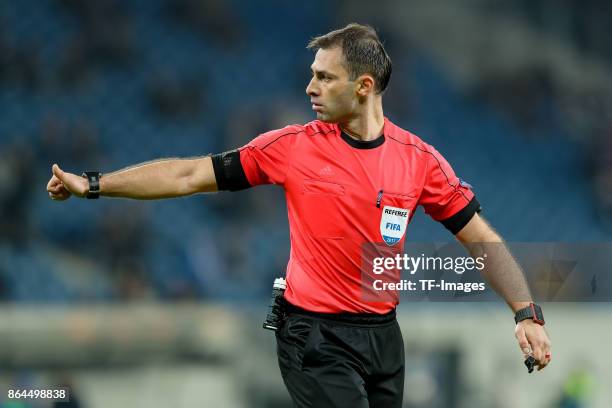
<point x="367" y="125"/>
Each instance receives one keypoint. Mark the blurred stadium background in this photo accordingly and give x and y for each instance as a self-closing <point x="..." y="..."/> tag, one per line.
<point x="155" y="304"/>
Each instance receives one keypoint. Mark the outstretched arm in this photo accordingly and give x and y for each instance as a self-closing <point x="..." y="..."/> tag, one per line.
<point x="506" y="277"/>
<point x="164" y="178"/>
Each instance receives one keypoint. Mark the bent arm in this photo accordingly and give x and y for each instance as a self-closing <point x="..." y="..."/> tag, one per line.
<point x="506" y="277"/>
<point x="501" y="269"/>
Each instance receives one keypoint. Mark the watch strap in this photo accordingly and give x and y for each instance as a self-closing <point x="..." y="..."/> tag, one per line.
<point x="533" y="311"/>
<point x="93" y="177"/>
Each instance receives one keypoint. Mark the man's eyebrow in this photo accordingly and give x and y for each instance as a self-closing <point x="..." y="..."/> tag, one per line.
<point x="329" y="74"/>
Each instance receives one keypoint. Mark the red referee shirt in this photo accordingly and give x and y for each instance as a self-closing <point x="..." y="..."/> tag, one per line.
<point x="342" y="193"/>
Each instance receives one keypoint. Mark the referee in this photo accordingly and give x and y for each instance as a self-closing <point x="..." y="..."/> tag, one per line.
<point x="350" y="177"/>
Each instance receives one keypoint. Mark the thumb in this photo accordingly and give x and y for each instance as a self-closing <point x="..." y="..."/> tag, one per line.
<point x="522" y="340"/>
<point x="57" y="171"/>
<point x="73" y="183"/>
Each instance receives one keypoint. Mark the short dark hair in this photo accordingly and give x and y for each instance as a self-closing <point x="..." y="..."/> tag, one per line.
<point x="362" y="50"/>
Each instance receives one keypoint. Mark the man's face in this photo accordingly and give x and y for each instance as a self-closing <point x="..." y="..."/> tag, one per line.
<point x="332" y="94"/>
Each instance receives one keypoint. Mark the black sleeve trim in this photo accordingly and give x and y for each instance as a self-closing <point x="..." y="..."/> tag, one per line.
<point x="229" y="172"/>
<point x="456" y="223"/>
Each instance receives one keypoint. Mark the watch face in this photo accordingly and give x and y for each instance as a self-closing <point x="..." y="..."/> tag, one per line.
<point x="538" y="316"/>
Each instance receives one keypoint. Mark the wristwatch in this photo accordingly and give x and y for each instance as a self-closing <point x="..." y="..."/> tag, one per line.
<point x="94" y="184"/>
<point x="533" y="311"/>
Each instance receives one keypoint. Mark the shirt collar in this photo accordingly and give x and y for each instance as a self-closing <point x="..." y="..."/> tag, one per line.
<point x="364" y="144"/>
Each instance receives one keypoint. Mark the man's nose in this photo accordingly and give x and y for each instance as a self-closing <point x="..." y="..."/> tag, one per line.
<point x="311" y="89"/>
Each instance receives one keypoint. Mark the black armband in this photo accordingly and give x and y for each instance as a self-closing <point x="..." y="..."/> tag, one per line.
<point x="229" y="172"/>
<point x="456" y="223"/>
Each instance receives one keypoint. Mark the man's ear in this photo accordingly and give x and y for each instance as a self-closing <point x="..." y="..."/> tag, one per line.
<point x="365" y="85"/>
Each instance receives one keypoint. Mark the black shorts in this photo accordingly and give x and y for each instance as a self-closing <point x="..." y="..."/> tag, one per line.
<point x="341" y="360"/>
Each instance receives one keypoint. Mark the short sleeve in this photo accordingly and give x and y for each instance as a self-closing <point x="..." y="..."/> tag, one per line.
<point x="265" y="159"/>
<point x="445" y="197"/>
